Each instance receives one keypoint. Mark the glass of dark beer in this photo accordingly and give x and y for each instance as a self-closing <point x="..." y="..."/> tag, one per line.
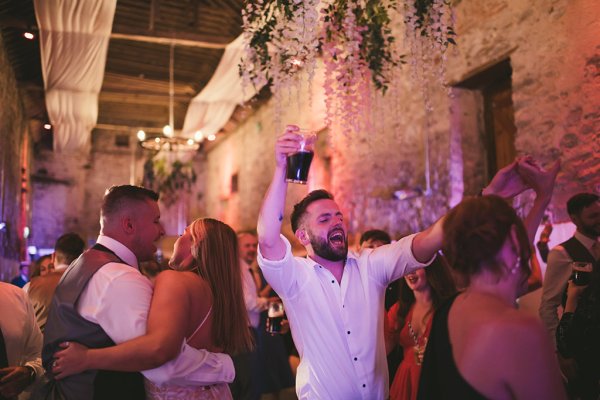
<point x="581" y="273"/>
<point x="274" y="317"/>
<point x="298" y="163"/>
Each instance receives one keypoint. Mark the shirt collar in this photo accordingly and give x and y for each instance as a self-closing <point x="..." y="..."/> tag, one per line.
<point x="586" y="241"/>
<point x="60" y="267"/>
<point x="119" y="249"/>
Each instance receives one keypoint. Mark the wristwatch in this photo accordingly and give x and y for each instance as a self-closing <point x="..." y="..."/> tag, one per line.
<point x="32" y="373"/>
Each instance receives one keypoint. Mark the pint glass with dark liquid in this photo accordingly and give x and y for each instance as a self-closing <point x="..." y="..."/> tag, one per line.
<point x="298" y="164"/>
<point x="274" y="317"/>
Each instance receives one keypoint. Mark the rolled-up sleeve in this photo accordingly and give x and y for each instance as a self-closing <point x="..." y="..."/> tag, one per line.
<point x="285" y="276"/>
<point x="194" y="367"/>
<point x="390" y="262"/>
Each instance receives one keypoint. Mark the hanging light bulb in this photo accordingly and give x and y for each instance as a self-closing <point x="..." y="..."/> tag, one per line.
<point x="141" y="135"/>
<point x="168" y="131"/>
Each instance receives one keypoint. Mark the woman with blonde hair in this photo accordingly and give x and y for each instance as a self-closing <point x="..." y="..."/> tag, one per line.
<point x="200" y="303"/>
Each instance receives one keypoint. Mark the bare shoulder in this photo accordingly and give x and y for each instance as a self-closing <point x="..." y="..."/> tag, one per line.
<point x="513" y="329"/>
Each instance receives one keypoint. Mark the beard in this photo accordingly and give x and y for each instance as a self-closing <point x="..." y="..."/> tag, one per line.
<point x="324" y="249"/>
<point x="590" y="230"/>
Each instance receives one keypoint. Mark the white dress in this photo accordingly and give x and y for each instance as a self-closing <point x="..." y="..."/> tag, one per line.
<point x="218" y="391"/>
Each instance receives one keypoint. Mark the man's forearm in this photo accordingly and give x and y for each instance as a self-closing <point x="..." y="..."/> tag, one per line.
<point x="428" y="242"/>
<point x="271" y="217"/>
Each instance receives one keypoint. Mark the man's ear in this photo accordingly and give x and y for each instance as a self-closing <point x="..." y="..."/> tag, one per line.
<point x="127" y="224"/>
<point x="302" y="236"/>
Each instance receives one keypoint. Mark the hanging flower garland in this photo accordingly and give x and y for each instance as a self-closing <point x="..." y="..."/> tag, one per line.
<point x="355" y="38"/>
<point x="168" y="179"/>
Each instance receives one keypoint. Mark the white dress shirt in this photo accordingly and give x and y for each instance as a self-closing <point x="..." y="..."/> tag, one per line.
<point x="558" y="272"/>
<point x="118" y="296"/>
<point x="22" y="336"/>
<point x="338" y="328"/>
<point x="254" y="303"/>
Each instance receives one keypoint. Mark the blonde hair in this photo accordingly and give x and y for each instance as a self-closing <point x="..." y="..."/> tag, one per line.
<point x="215" y="249"/>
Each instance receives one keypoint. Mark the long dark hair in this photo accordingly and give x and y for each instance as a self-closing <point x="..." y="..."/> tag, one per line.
<point x="442" y="287"/>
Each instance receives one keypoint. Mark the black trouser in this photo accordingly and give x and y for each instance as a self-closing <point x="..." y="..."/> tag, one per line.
<point x="247" y="383"/>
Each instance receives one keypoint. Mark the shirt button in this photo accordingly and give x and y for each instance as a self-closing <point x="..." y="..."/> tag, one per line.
<point x="355" y="359"/>
<point x="364" y="385"/>
<point x="348" y="332"/>
<point x="332" y="281"/>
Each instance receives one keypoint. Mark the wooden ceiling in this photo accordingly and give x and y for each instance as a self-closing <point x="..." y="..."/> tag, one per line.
<point x="135" y="90"/>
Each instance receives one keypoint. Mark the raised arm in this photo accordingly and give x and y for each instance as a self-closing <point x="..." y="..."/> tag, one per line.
<point x="271" y="212"/>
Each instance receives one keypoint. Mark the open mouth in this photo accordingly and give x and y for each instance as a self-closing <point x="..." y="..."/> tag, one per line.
<point x="336" y="237"/>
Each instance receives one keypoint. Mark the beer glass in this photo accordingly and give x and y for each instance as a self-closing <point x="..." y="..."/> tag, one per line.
<point x="581" y="272"/>
<point x="274" y="317"/>
<point x="298" y="163"/>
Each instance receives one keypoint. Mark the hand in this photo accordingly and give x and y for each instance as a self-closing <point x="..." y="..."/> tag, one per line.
<point x="287" y="143"/>
<point x="540" y="180"/>
<point x="574" y="291"/>
<point x="72" y="360"/>
<point x="14" y="381"/>
<point x="545" y="235"/>
<point x="507" y="182"/>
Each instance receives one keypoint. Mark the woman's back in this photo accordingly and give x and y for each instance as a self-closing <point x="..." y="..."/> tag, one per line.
<point x="501" y="352"/>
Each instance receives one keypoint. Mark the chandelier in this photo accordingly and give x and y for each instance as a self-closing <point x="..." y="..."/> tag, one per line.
<point x="168" y="141"/>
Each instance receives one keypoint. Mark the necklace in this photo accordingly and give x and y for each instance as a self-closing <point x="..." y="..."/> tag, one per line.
<point x="419" y="349"/>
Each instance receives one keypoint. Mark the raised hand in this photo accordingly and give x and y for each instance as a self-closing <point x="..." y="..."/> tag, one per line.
<point x="537" y="178"/>
<point x="507" y="182"/>
<point x="287" y="143"/>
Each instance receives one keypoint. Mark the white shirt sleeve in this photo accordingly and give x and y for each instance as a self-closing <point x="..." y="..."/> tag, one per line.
<point x="390" y="262"/>
<point x="555" y="281"/>
<point x="118" y="298"/>
<point x="285" y="276"/>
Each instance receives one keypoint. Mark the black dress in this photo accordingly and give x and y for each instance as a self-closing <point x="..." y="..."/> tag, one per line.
<point x="440" y="378"/>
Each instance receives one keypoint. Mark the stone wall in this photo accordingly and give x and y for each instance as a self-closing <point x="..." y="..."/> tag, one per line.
<point x="553" y="48"/>
<point x="13" y="129"/>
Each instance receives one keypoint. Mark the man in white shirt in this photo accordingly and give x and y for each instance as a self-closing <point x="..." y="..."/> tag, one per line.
<point x="103" y="299"/>
<point x="334" y="302"/>
<point x="21" y="339"/>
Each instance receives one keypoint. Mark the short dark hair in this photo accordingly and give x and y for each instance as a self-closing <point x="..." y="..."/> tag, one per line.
<point x="577" y="203"/>
<point x="117" y="197"/>
<point x="375" y="234"/>
<point x="68" y="247"/>
<point x="251" y="232"/>
<point x="300" y="207"/>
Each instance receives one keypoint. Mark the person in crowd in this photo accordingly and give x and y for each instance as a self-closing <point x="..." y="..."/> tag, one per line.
<point x="247" y="384"/>
<point x="542" y="244"/>
<point x="210" y="314"/>
<point x="334" y="301"/>
<point x="41" y="267"/>
<point x="374" y="238"/>
<point x="578" y="335"/>
<point x="420" y="294"/>
<point x="103" y="299"/>
<point x="41" y="289"/>
<point x="488" y="244"/>
<point x="23" y="277"/>
<point x="20" y="345"/>
<point x="275" y="371"/>
<point x="584" y="246"/>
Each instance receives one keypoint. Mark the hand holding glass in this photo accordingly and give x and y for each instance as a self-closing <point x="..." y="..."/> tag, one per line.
<point x="298" y="163"/>
<point x="274" y="317"/>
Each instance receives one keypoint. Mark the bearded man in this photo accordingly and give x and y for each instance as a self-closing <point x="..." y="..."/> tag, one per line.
<point x="334" y="301"/>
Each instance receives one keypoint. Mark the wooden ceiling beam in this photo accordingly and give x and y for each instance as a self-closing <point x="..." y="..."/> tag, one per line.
<point x="168" y="37"/>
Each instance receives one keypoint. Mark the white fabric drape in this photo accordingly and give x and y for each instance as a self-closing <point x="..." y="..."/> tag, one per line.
<point x="74" y="36"/>
<point x="210" y="110"/>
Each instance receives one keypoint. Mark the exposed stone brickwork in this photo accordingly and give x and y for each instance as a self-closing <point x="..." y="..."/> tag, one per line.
<point x="13" y="129"/>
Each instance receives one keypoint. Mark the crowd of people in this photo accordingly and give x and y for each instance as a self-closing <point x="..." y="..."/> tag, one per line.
<point x="444" y="300"/>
